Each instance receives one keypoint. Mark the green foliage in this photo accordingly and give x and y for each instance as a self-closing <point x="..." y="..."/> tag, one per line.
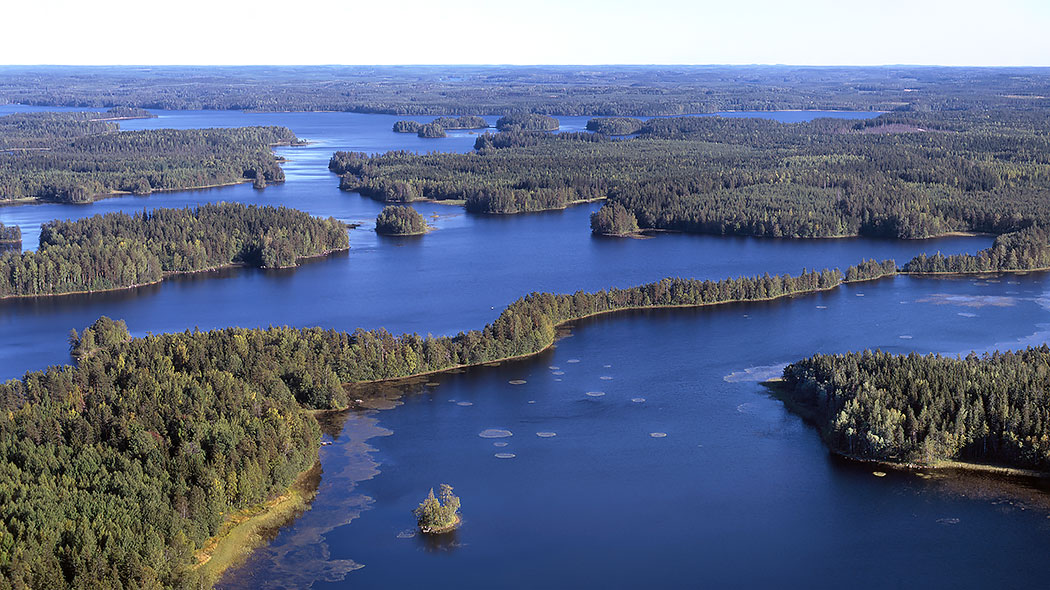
<point x="950" y="171"/>
<point x="407" y="127"/>
<point x="400" y="221"/>
<point x="914" y="408"/>
<point x="118" y="250"/>
<point x="527" y="122"/>
<point x="431" y="130"/>
<point x="871" y="269"/>
<point x="1027" y="249"/>
<point x="114" y="472"/>
<point x="463" y="122"/>
<point x="10" y="234"/>
<point x="614" y="125"/>
<point x="103" y="333"/>
<point x="434" y="514"/>
<point x="613" y="221"/>
<point x="76" y="157"/>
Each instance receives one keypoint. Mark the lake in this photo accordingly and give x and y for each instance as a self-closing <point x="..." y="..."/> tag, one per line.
<point x="738" y="493"/>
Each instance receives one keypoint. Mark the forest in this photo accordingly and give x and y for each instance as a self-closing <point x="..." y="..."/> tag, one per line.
<point x="117" y="250"/>
<point x="114" y="471"/>
<point x="899" y="175"/>
<point x="77" y="157"/>
<point x="398" y="220"/>
<point x="10" y="234"/>
<point x="924" y="409"/>
<point x="462" y="122"/>
<point x="634" y="91"/>
<point x="1027" y="249"/>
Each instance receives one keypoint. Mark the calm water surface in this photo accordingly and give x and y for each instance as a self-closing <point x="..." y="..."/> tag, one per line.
<point x="738" y="493"/>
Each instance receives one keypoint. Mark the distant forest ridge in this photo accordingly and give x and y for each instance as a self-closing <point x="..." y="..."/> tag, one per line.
<point x="503" y="90"/>
<point x="81" y="156"/>
<point x="899" y="175"/>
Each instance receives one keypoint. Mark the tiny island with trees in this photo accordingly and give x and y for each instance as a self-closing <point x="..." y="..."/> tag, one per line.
<point x="436" y="515"/>
<point x="401" y="220"/>
<point x="437" y="127"/>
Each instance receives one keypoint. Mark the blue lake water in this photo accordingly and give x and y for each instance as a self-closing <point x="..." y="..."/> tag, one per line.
<point x="738" y="493"/>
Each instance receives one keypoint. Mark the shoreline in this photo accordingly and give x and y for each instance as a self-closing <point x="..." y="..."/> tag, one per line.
<point x="245" y="530"/>
<point x="563" y="324"/>
<point x="171" y="274"/>
<point x="806" y="412"/>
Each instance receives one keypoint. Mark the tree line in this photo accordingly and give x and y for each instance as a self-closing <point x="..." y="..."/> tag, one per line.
<point x="77" y="157"/>
<point x="911" y="408"/>
<point x="553" y="90"/>
<point x="945" y="172"/>
<point x="117" y="250"/>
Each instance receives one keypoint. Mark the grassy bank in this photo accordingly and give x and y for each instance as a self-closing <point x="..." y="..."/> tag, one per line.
<point x="249" y="529"/>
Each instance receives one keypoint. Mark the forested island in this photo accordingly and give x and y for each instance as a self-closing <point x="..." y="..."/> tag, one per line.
<point x="116" y="250"/>
<point x="398" y="220"/>
<point x="442" y="123"/>
<point x="901" y="175"/>
<point x="78" y="157"/>
<point x="615" y="125"/>
<point x="527" y="122"/>
<point x="928" y="410"/>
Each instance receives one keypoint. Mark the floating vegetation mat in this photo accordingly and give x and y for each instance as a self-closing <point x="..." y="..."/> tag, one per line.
<point x="517" y="382"/>
<point x="595" y="393"/>
<point x="406" y="534"/>
<point x="495" y="433"/>
<point x="657" y="434"/>
<point x="546" y="434"/>
<point x="505" y="455"/>
<point x="638" y="400"/>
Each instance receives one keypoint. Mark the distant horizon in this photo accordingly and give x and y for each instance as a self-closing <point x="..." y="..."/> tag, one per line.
<point x="519" y="65"/>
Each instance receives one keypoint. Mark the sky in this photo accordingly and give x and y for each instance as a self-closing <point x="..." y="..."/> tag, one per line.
<point x="287" y="32"/>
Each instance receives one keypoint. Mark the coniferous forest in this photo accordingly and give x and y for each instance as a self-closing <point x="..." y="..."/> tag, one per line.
<point x="925" y="409"/>
<point x="116" y="250"/>
<point x="78" y="157"/>
<point x="907" y="175"/>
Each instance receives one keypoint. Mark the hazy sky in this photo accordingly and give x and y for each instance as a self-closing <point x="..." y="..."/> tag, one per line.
<point x="818" y="32"/>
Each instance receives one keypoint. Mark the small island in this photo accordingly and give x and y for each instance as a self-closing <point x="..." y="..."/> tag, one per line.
<point x="529" y="122"/>
<point x="438" y="515"/>
<point x="614" y="125"/>
<point x="400" y="220"/>
<point x="431" y="130"/>
<point x="614" y="220"/>
<point x="438" y="126"/>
